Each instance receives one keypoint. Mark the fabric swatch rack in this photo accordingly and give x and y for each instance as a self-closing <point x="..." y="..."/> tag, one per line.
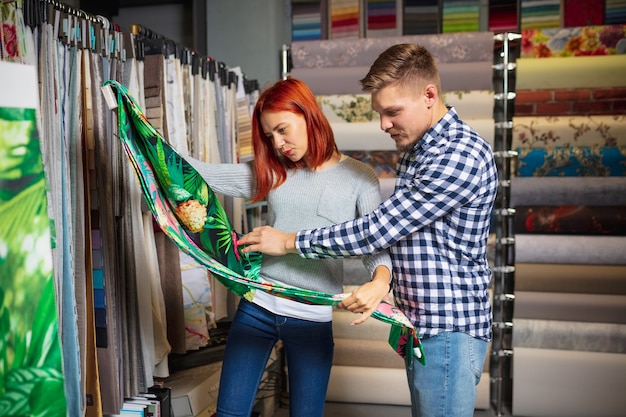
<point x="107" y="253"/>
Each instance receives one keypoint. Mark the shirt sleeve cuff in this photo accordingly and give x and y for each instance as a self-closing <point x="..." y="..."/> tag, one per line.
<point x="303" y="243"/>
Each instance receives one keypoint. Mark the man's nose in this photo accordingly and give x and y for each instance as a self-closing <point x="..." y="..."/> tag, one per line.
<point x="385" y="123"/>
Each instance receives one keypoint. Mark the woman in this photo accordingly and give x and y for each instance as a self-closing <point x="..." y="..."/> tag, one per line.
<point x="308" y="183"/>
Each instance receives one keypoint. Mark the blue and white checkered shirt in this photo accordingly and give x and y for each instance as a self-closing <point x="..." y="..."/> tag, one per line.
<point x="436" y="225"/>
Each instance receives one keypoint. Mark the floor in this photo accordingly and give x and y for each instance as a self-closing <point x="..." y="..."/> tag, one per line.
<point x="370" y="410"/>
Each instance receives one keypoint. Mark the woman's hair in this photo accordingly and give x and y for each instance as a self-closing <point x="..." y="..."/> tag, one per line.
<point x="407" y="64"/>
<point x="294" y="96"/>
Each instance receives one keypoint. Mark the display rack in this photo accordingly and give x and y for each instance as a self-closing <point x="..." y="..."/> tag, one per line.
<point x="506" y="51"/>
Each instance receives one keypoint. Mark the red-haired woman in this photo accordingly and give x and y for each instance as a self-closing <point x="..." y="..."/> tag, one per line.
<point x="308" y="183"/>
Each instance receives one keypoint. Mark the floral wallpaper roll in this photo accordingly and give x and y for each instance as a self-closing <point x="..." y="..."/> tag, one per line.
<point x="354" y="108"/>
<point x="574" y="42"/>
<point x="601" y="130"/>
<point x="560" y="161"/>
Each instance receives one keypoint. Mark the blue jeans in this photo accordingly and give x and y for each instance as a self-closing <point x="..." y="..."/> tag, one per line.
<point x="446" y="386"/>
<point x="308" y="348"/>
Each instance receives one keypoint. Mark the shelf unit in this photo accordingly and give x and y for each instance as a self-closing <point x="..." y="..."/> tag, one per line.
<point x="506" y="51"/>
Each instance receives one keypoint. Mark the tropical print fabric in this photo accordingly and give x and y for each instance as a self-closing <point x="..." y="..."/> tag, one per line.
<point x="189" y="213"/>
<point x="31" y="364"/>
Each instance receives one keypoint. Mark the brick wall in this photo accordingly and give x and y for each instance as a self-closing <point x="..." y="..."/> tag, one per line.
<point x="570" y="102"/>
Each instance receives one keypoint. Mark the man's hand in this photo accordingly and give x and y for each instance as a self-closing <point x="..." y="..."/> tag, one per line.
<point x="268" y="240"/>
<point x="366" y="298"/>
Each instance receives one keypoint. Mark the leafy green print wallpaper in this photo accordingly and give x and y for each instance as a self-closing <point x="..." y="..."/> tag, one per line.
<point x="31" y="376"/>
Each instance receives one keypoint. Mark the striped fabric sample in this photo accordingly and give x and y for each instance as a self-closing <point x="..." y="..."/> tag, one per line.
<point x="382" y="18"/>
<point x="421" y="17"/>
<point x="503" y="16"/>
<point x="345" y="19"/>
<point x="615" y="12"/>
<point x="583" y="12"/>
<point x="461" y="16"/>
<point x="306" y="20"/>
<point x="540" y="14"/>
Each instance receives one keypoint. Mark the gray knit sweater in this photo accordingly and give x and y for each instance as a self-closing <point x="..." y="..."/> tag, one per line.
<point x="306" y="200"/>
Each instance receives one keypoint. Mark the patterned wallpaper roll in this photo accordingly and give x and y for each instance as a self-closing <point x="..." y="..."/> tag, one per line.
<point x="605" y="191"/>
<point x="369" y="136"/>
<point x="561" y="305"/>
<point x="559" y="161"/>
<point x="580" y="279"/>
<point x="447" y="48"/>
<point x="573" y="41"/>
<point x="351" y="108"/>
<point x="585" y="71"/>
<point x="345" y="80"/>
<point x="571" y="220"/>
<point x="569" y="335"/>
<point x="546" y="132"/>
<point x="568" y="249"/>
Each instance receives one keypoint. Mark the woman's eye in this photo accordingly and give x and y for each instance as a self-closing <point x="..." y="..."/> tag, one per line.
<point x="282" y="130"/>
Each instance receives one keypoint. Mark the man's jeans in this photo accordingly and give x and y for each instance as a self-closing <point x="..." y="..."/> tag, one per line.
<point x="446" y="386"/>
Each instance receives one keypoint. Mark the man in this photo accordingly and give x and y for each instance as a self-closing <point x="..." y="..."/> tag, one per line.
<point x="436" y="226"/>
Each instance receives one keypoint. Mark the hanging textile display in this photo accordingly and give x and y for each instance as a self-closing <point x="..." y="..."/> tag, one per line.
<point x="189" y="213"/>
<point x="31" y="365"/>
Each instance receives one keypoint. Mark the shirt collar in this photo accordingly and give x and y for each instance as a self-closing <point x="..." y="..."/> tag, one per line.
<point x="435" y="137"/>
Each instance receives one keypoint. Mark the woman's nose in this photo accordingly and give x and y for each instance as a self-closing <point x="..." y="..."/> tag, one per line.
<point x="278" y="142"/>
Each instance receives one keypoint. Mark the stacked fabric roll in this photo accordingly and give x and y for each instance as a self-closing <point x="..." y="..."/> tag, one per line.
<point x="569" y="328"/>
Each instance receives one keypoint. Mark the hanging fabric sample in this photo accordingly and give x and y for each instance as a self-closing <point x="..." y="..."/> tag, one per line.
<point x="503" y="16"/>
<point x="191" y="216"/>
<point x="420" y="17"/>
<point x="537" y="14"/>
<point x="460" y="16"/>
<point x="31" y="365"/>
<point x="382" y="18"/>
<point x="345" y="19"/>
<point x="307" y="20"/>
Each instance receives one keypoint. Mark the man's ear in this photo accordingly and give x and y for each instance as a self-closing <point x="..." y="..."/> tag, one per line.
<point x="432" y="94"/>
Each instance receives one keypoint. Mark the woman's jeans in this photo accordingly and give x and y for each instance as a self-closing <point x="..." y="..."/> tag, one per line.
<point x="446" y="386"/>
<point x="254" y="332"/>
